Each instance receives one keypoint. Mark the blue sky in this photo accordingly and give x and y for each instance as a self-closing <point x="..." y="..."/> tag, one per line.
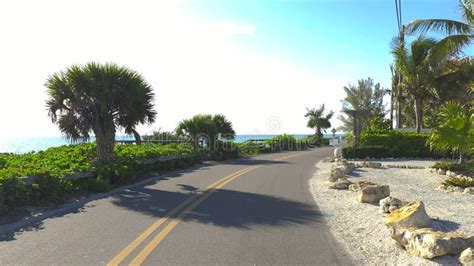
<point x="327" y="35"/>
<point x="260" y="63"/>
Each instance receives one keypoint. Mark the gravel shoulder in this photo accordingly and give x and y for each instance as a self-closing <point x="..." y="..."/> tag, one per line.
<point x="360" y="228"/>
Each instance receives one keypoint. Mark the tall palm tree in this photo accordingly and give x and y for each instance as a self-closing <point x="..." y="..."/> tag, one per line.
<point x="99" y="98"/>
<point x="455" y="133"/>
<point x="396" y="97"/>
<point x="206" y="127"/>
<point x="415" y="66"/>
<point x="319" y="121"/>
<point x="459" y="33"/>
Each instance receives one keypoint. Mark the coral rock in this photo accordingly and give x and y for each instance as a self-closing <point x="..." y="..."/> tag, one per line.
<point x="340" y="184"/>
<point x="467" y="257"/>
<point x="427" y="243"/>
<point x="409" y="215"/>
<point x="390" y="204"/>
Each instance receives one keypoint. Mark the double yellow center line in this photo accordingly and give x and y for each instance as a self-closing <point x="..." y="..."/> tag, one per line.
<point x="193" y="202"/>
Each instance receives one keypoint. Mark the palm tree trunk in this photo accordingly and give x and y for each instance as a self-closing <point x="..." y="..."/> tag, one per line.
<point x="418" y="115"/>
<point x="399" y="114"/>
<point x="391" y="110"/>
<point x="462" y="159"/>
<point x="138" y="138"/>
<point x="105" y="139"/>
<point x="105" y="147"/>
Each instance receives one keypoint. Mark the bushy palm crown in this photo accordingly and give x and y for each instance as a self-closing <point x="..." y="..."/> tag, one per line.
<point x="365" y="95"/>
<point x="210" y="125"/>
<point x="96" y="97"/>
<point x="455" y="133"/>
<point x="459" y="33"/>
<point x="415" y="66"/>
<point x="318" y="120"/>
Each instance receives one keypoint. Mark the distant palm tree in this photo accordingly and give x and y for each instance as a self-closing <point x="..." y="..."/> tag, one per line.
<point x="365" y="95"/>
<point x="319" y="121"/>
<point x="99" y="98"/>
<point x="459" y="33"/>
<point x="455" y="133"/>
<point x="206" y="128"/>
<point x="415" y="66"/>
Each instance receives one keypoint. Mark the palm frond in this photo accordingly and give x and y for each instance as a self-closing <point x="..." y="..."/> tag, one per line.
<point x="446" y="26"/>
<point x="449" y="46"/>
<point x="455" y="131"/>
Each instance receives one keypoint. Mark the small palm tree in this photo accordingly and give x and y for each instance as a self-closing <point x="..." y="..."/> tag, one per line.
<point x="319" y="121"/>
<point x="417" y="71"/>
<point x="99" y="98"/>
<point x="206" y="128"/>
<point x="455" y="133"/>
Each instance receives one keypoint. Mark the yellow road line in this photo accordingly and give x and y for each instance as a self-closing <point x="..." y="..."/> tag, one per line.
<point x="143" y="236"/>
<point x="140" y="258"/>
<point x="165" y="231"/>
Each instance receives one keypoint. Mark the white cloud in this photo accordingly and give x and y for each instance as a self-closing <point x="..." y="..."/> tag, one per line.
<point x="194" y="64"/>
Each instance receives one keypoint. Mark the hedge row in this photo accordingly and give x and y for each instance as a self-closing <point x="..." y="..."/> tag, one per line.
<point x="394" y="144"/>
<point x="50" y="166"/>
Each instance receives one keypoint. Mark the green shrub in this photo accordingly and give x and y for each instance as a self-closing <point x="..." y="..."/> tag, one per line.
<point x="378" y="125"/>
<point x="348" y="137"/>
<point x="394" y="144"/>
<point x="286" y="142"/>
<point x="3" y="163"/>
<point x="459" y="182"/>
<point x="365" y="151"/>
<point x="448" y="166"/>
<point x="50" y="166"/>
<point x="14" y="192"/>
<point x="467" y="168"/>
<point x="49" y="189"/>
<point x="251" y="148"/>
<point x="95" y="185"/>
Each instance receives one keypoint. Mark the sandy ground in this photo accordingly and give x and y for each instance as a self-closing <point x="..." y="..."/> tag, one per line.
<point x="360" y="227"/>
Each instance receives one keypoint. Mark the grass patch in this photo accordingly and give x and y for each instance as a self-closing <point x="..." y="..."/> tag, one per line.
<point x="459" y="182"/>
<point x="466" y="169"/>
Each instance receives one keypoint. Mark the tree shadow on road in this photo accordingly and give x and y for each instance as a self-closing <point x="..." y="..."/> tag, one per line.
<point x="148" y="201"/>
<point x="224" y="208"/>
<point x="9" y="235"/>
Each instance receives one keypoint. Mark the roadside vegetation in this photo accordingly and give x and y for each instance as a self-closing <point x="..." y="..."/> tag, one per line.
<point x="319" y="121"/>
<point x="41" y="178"/>
<point x="432" y="85"/>
<point x="98" y="99"/>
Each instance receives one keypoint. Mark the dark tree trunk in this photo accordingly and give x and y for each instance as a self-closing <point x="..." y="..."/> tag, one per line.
<point x="105" y="148"/>
<point x="418" y="115"/>
<point x="138" y="138"/>
<point x="105" y="139"/>
<point x="462" y="159"/>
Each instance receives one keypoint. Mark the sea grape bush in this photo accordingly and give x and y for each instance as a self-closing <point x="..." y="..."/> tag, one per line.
<point x="50" y="166"/>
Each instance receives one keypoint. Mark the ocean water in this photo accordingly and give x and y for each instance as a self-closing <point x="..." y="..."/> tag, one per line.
<point x="24" y="145"/>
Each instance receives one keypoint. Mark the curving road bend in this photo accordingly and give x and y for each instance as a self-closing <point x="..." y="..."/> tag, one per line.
<point x="244" y="211"/>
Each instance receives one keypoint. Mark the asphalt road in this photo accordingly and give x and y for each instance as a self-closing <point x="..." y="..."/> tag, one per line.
<point x="244" y="211"/>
